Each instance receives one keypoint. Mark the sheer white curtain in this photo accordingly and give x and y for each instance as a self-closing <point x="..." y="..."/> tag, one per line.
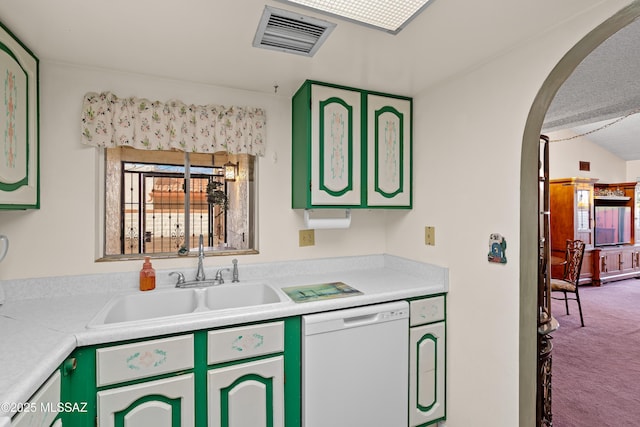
<point x="109" y="121"/>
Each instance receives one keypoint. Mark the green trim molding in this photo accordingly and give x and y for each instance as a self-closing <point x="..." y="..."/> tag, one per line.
<point x="428" y="337"/>
<point x="346" y="128"/>
<point x="400" y="150"/>
<point x="224" y="397"/>
<point x="175" y="404"/>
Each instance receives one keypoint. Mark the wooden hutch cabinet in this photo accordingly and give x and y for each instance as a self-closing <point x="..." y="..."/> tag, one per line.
<point x="571" y="218"/>
<point x="615" y="255"/>
<point x="605" y="217"/>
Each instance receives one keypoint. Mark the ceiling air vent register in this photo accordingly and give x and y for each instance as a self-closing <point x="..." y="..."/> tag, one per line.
<point x="291" y="32"/>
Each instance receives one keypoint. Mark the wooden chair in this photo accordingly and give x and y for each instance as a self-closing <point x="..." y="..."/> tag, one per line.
<point x="569" y="282"/>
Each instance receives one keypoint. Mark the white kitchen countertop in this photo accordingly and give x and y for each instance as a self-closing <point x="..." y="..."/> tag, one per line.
<point x="43" y="321"/>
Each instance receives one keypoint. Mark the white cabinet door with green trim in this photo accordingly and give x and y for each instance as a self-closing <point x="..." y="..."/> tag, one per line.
<point x="162" y="403"/>
<point x="388" y="151"/>
<point x="42" y="408"/>
<point x="426" y="373"/>
<point x="247" y="394"/>
<point x="335" y="146"/>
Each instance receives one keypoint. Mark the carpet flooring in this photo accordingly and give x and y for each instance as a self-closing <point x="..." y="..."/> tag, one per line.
<point x="596" y="369"/>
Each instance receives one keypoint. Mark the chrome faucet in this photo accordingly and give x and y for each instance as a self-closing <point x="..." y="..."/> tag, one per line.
<point x="219" y="280"/>
<point x="181" y="282"/>
<point x="200" y="279"/>
<point x="200" y="273"/>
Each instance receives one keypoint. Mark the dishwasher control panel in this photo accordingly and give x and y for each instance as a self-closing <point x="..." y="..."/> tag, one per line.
<point x="395" y="314"/>
<point x="355" y="317"/>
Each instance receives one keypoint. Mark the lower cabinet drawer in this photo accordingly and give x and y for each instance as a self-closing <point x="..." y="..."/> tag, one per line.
<point x="244" y="342"/>
<point x="427" y="310"/>
<point x="144" y="359"/>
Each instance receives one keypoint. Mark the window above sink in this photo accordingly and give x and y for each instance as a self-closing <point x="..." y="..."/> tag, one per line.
<point x="146" y="211"/>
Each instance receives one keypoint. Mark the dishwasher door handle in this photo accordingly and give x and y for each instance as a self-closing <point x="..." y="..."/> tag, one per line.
<point x="366" y="319"/>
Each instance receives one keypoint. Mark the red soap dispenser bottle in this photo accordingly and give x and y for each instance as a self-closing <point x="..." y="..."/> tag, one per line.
<point x="147" y="276"/>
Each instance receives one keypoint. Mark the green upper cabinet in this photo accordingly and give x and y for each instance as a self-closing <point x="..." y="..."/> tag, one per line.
<point x="351" y="148"/>
<point x="388" y="151"/>
<point x="19" y="126"/>
<point x="327" y="148"/>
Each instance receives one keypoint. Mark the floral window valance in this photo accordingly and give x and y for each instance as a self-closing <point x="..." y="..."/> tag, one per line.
<point x="109" y="121"/>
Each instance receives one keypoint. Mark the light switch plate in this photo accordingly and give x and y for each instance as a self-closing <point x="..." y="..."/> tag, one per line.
<point x="430" y="236"/>
<point x="307" y="238"/>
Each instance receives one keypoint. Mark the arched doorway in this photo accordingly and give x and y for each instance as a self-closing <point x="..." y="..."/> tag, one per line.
<point x="528" y="202"/>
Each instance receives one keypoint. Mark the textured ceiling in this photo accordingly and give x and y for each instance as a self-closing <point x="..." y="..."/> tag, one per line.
<point x="602" y="89"/>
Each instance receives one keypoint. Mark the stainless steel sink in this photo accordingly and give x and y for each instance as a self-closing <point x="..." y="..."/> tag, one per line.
<point x="159" y="304"/>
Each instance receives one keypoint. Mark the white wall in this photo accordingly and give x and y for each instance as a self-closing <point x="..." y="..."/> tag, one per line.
<point x="633" y="171"/>
<point x="468" y="140"/>
<point x="60" y="238"/>
<point x="564" y="158"/>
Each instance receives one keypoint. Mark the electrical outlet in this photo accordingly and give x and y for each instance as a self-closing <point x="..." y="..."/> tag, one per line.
<point x="307" y="238"/>
<point x="430" y="236"/>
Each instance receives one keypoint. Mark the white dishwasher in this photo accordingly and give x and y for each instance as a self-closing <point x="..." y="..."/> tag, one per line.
<point x="355" y="367"/>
